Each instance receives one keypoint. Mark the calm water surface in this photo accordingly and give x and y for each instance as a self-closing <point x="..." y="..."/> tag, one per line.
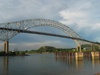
<point x="47" y="64"/>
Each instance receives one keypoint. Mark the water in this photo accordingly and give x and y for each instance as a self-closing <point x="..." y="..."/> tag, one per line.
<point x="47" y="64"/>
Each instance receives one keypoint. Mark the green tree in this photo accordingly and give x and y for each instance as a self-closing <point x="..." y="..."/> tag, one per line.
<point x="16" y="53"/>
<point x="21" y="53"/>
<point x="2" y="52"/>
<point x="11" y="53"/>
<point x="26" y="51"/>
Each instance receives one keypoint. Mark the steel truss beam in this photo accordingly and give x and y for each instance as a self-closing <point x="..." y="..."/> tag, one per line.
<point x="27" y="24"/>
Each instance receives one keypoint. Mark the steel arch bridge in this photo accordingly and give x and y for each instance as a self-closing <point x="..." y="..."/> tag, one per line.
<point x="5" y="35"/>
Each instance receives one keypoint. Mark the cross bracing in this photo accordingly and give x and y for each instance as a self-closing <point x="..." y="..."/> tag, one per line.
<point x="27" y="24"/>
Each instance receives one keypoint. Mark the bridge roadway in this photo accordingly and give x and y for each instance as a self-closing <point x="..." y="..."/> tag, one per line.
<point x="48" y="34"/>
<point x="6" y="47"/>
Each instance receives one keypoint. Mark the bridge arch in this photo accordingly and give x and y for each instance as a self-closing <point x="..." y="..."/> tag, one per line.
<point x="27" y="24"/>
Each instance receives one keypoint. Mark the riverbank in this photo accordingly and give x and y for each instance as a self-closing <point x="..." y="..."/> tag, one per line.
<point x="14" y="55"/>
<point x="10" y="53"/>
<point x="39" y="53"/>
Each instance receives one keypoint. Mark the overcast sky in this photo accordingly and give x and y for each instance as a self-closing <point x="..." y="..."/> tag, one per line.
<point x="83" y="16"/>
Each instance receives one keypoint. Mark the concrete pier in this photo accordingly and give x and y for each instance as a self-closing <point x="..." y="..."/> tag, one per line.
<point x="78" y="55"/>
<point x="6" y="46"/>
<point x="95" y="55"/>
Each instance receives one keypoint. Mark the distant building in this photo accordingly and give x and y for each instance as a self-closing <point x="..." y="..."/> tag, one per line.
<point x="11" y="50"/>
<point x="73" y="49"/>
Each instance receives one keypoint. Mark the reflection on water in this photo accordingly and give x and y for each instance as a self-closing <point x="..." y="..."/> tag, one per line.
<point x="69" y="61"/>
<point x="48" y="64"/>
<point x="5" y="66"/>
<point x="78" y="62"/>
<point x="95" y="61"/>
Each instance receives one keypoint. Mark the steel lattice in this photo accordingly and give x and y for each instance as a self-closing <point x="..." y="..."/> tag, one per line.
<point x="27" y="24"/>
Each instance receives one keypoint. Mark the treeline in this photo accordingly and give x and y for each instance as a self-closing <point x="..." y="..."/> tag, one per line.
<point x="10" y="53"/>
<point x="89" y="46"/>
<point x="49" y="49"/>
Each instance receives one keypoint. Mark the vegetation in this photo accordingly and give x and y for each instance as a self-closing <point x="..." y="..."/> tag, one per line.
<point x="10" y="53"/>
<point x="16" y="53"/>
<point x="86" y="50"/>
<point x="89" y="47"/>
<point x="86" y="45"/>
<point x="50" y="49"/>
<point x="2" y="52"/>
<point x="21" y="53"/>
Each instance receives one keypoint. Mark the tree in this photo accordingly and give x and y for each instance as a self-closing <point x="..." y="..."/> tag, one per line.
<point x="26" y="51"/>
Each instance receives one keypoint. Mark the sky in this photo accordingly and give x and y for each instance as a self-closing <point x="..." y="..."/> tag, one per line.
<point x="82" y="16"/>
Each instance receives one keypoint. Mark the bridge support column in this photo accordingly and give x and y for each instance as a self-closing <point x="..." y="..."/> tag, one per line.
<point x="6" y="46"/>
<point x="98" y="46"/>
<point x="78" y="48"/>
<point x="93" y="47"/>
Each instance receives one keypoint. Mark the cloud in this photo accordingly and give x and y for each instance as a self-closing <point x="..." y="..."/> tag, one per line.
<point x="75" y="13"/>
<point x="13" y="10"/>
<point x="71" y="16"/>
<point x="97" y="38"/>
<point x="83" y="16"/>
<point x="96" y="27"/>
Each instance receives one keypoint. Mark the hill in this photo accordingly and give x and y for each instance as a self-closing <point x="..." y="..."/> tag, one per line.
<point x="46" y="48"/>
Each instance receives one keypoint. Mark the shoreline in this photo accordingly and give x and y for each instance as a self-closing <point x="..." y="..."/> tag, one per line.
<point x="39" y="53"/>
<point x="15" y="55"/>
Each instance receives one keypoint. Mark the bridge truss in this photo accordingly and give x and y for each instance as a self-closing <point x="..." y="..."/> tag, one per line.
<point x="5" y="35"/>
